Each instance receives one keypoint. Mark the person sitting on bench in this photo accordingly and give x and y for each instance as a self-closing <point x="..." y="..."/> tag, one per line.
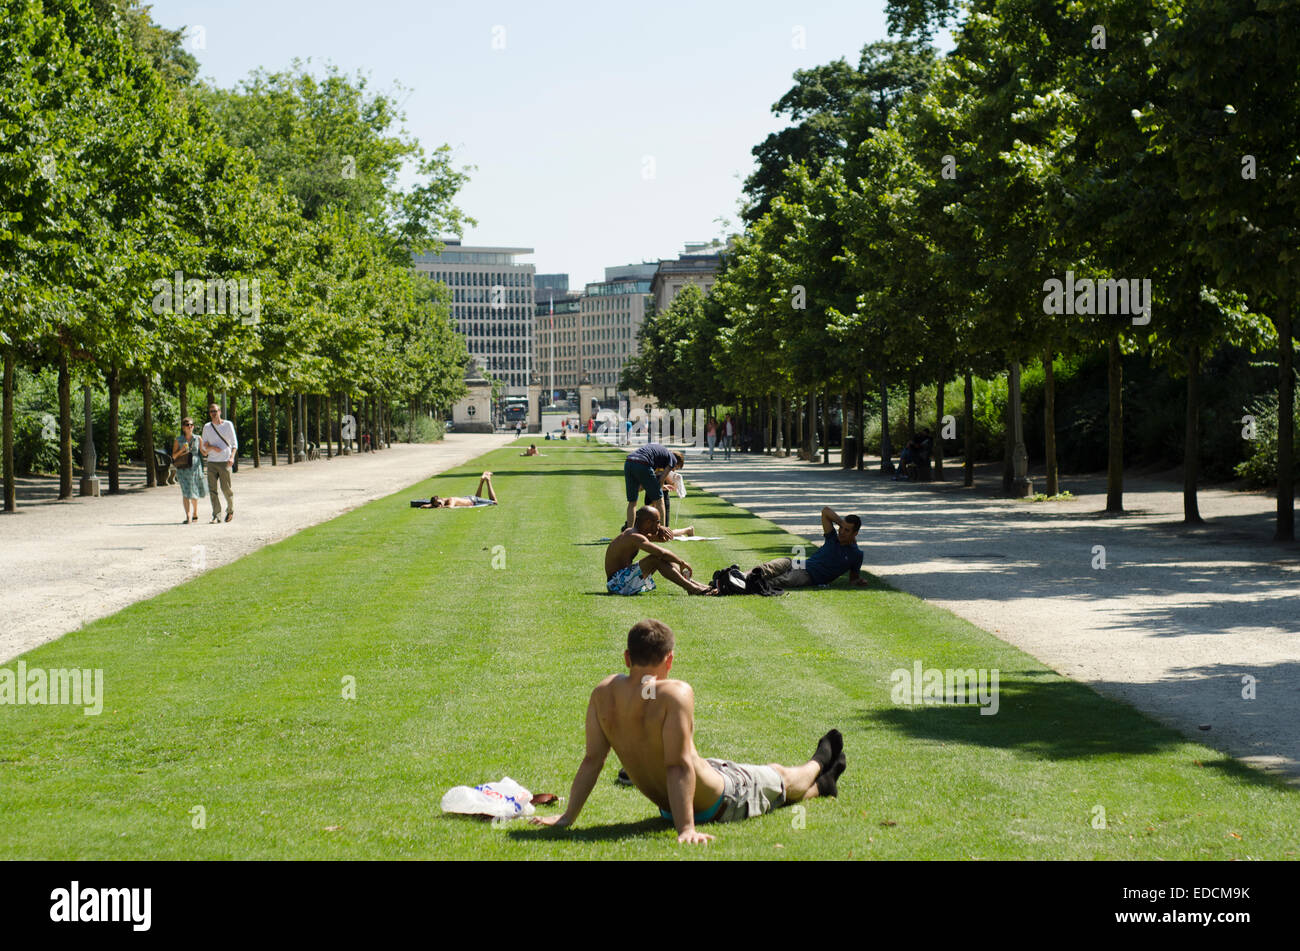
<point x="649" y="721"/>
<point x="465" y="501"/>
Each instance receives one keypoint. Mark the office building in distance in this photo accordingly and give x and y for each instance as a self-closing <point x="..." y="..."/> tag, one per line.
<point x="493" y="306"/>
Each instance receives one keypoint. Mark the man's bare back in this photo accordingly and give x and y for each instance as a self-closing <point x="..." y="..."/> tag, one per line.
<point x="622" y="551"/>
<point x="649" y="720"/>
<point x="633" y="717"/>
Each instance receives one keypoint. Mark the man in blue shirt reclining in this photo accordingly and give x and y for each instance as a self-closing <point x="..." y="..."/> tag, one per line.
<point x="839" y="553"/>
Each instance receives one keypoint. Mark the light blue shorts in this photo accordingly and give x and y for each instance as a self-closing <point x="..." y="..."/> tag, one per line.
<point x="629" y="580"/>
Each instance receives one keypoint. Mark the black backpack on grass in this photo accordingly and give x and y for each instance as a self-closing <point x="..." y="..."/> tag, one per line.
<point x="731" y="581"/>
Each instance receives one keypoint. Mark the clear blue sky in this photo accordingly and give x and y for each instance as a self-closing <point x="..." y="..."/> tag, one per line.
<point x="560" y="123"/>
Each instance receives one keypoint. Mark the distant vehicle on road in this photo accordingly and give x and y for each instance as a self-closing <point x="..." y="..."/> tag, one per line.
<point x="516" y="409"/>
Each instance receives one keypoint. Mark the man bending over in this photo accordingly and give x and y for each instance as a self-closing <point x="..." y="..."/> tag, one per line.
<point x="649" y="721"/>
<point x="839" y="553"/>
<point x="624" y="577"/>
<point x="646" y="468"/>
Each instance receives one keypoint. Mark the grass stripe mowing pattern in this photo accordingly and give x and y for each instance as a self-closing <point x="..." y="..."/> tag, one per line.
<point x="465" y="673"/>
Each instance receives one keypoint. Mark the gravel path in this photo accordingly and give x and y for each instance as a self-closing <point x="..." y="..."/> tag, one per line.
<point x="67" y="563"/>
<point x="1171" y="625"/>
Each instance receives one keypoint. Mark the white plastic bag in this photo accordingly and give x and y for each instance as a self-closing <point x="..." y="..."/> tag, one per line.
<point x="679" y="484"/>
<point x="501" y="800"/>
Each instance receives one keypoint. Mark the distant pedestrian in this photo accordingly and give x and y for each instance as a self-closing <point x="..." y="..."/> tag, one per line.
<point x="711" y="434"/>
<point x="221" y="446"/>
<point x="187" y="456"/>
<point x="728" y="435"/>
<point x="519" y="429"/>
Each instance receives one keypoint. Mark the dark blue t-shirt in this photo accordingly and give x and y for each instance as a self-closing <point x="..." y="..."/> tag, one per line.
<point x="833" y="559"/>
<point x="654" y="455"/>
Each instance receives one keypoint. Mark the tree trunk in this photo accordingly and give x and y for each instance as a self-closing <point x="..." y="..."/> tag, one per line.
<point x="7" y="450"/>
<point x="936" y="444"/>
<point x="1192" y="439"/>
<point x="796" y="420"/>
<point x="275" y="429"/>
<point x="826" y="427"/>
<point x="968" y="463"/>
<point x="114" y="447"/>
<point x="886" y="450"/>
<point x="291" y="410"/>
<point x="861" y="418"/>
<point x="1115" y="453"/>
<point x="319" y="402"/>
<point x="234" y="417"/>
<point x="911" y="404"/>
<point x="257" y="433"/>
<point x="1008" y="444"/>
<point x="65" y="425"/>
<point x="1285" y="424"/>
<point x="846" y="457"/>
<point x="88" y="481"/>
<point x="1049" y="423"/>
<point x="150" y="467"/>
<point x="212" y="398"/>
<point x="787" y="423"/>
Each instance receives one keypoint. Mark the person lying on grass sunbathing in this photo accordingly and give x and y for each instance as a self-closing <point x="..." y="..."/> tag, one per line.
<point x="531" y="450"/>
<point x="649" y="721"/>
<point x="667" y="534"/>
<point x="465" y="501"/>
<point x="838" y="553"/>
<point x="624" y="577"/>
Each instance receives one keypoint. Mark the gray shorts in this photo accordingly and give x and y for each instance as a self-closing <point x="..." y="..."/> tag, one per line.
<point x="747" y="790"/>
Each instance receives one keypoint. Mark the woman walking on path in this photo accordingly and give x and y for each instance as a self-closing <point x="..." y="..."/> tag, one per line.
<point x="190" y="478"/>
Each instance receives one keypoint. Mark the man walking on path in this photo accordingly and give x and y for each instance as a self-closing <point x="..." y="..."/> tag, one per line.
<point x="220" y="446"/>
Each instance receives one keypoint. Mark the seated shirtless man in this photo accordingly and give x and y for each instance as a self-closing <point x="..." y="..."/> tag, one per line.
<point x="624" y="577"/>
<point x="531" y="450"/>
<point x="649" y="721"/>
<point x="465" y="501"/>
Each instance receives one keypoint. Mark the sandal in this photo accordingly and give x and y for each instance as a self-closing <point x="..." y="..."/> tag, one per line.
<point x="215" y="520"/>
<point x="230" y="516"/>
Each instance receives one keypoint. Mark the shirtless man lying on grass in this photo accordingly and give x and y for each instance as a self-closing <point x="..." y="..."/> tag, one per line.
<point x="649" y="721"/>
<point x="624" y="577"/>
<point x="466" y="501"/>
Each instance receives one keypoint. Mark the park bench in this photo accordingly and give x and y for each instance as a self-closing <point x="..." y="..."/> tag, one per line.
<point x="163" y="467"/>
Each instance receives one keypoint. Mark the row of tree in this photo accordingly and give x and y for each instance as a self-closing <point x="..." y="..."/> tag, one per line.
<point x="159" y="232"/>
<point x="929" y="217"/>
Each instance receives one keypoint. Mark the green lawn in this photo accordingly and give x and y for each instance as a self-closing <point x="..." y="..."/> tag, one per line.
<point x="465" y="672"/>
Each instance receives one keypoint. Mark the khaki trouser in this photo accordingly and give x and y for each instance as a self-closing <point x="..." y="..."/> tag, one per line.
<point x="219" y="473"/>
<point x="781" y="573"/>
